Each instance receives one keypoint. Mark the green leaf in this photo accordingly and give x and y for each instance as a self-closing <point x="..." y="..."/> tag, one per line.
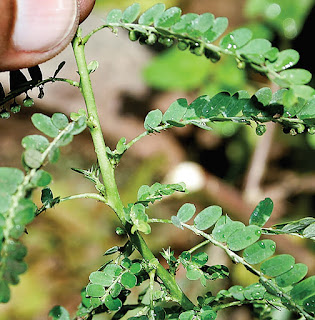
<point x="10" y="179"/>
<point x="101" y="278"/>
<point x="309" y="232"/>
<point x="203" y="22"/>
<point x="309" y="304"/>
<point x="143" y="193"/>
<point x="286" y="59"/>
<point x="176" y="222"/>
<point x="79" y="125"/>
<point x="168" y="18"/>
<point x="114" y="16"/>
<point x="261" y="213"/>
<point x="135" y="267"/>
<point x="186" y="212"/>
<point x="237" y="292"/>
<point x="92" y="66"/>
<point x="296" y="76"/>
<point x="303" y="290"/>
<point x="200" y="259"/>
<point x="255" y="46"/>
<point x="113" y="270"/>
<point x="54" y="155"/>
<point x="187" y="315"/>
<point x="4" y="292"/>
<point x="131" y="13"/>
<point x="24" y="212"/>
<point x="294" y="275"/>
<point x="272" y="54"/>
<point x="32" y="158"/>
<point x="223" y="232"/>
<point x="234" y="106"/>
<point x="44" y="124"/>
<point x="59" y="313"/>
<point x="176" y="111"/>
<point x="36" y="142"/>
<point x="259" y="251"/>
<point x="243" y="238"/>
<point x="277" y="265"/>
<point x="236" y="39"/>
<point x="206" y="313"/>
<point x="255" y="291"/>
<point x="264" y="96"/>
<point x="41" y="178"/>
<point x="308" y="111"/>
<point x="128" y="280"/>
<point x="219" y="26"/>
<point x="152" y="14"/>
<point x="153" y="119"/>
<point x="295" y="226"/>
<point x="121" y="145"/>
<point x="16" y="250"/>
<point x="95" y="290"/>
<point x="207" y="217"/>
<point x="193" y="273"/>
<point x="59" y="120"/>
<point x="216" y="105"/>
<point x="47" y="196"/>
<point x="115" y="290"/>
<point x="186" y="24"/>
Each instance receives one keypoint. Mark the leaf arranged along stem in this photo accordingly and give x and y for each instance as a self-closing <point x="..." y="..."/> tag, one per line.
<point x="198" y="32"/>
<point x="17" y="209"/>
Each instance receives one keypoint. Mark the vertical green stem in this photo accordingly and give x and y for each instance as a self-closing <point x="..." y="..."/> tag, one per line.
<point x="108" y="174"/>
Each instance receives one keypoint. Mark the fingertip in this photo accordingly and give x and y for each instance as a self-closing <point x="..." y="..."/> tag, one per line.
<point x="33" y="32"/>
<point x="85" y="8"/>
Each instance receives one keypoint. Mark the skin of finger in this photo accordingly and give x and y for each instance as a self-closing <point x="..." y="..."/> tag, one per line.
<point x="85" y="7"/>
<point x="6" y="23"/>
<point x="10" y="59"/>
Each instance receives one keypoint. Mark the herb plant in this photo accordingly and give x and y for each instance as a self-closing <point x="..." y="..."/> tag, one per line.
<point x="281" y="282"/>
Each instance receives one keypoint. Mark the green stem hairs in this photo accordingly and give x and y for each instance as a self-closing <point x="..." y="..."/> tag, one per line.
<point x="281" y="282"/>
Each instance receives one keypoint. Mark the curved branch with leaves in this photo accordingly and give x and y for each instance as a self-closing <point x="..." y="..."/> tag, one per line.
<point x="281" y="282"/>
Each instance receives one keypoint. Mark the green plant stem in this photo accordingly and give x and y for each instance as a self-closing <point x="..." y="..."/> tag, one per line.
<point x="107" y="172"/>
<point x="199" y="245"/>
<point x="94" y="196"/>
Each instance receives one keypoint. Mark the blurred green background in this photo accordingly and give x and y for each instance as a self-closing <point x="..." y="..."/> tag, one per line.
<point x="236" y="168"/>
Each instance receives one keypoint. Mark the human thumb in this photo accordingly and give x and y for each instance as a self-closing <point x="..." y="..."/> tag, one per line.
<point x="35" y="31"/>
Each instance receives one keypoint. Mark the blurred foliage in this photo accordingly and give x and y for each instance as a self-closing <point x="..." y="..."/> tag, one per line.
<point x="282" y="16"/>
<point x="190" y="72"/>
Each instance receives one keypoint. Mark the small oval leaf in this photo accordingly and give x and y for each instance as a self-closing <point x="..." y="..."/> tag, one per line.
<point x="95" y="290"/>
<point x="294" y="275"/>
<point x="207" y="217"/>
<point x="277" y="265"/>
<point x="303" y="290"/>
<point x="261" y="213"/>
<point x="153" y="119"/>
<point x="243" y="238"/>
<point x="186" y="212"/>
<point x="131" y="13"/>
<point x="44" y="124"/>
<point x="128" y="280"/>
<point x="259" y="251"/>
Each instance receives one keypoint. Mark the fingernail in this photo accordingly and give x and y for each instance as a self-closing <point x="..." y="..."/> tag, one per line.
<point x="42" y="24"/>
